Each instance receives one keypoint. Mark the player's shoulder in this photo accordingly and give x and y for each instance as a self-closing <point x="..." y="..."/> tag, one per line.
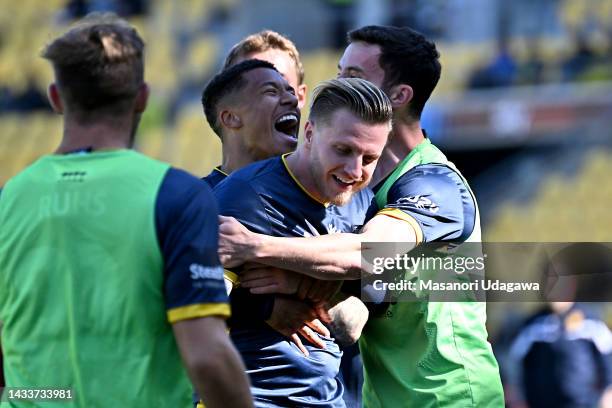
<point x="182" y="197"/>
<point x="437" y="181"/>
<point x="25" y="173"/>
<point x="250" y="177"/>
<point x="258" y="170"/>
<point x="179" y="187"/>
<point x="432" y="174"/>
<point x="181" y="180"/>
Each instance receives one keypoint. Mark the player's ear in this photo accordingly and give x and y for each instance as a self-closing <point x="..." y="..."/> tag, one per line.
<point x="302" y="91"/>
<point x="55" y="99"/>
<point x="400" y="95"/>
<point x="308" y="133"/>
<point x="142" y="98"/>
<point x="230" y="120"/>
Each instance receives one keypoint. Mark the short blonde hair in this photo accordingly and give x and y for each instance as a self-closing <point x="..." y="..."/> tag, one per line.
<point x="263" y="41"/>
<point x="362" y="98"/>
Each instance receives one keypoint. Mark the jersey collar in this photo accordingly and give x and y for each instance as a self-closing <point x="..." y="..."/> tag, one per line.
<point x="284" y="159"/>
<point x="218" y="168"/>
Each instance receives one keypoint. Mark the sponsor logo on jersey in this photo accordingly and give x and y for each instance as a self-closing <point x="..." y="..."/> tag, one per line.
<point x="205" y="272"/>
<point x="73" y="176"/>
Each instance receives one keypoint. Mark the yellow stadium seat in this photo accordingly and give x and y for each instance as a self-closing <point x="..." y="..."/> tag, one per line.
<point x="197" y="148"/>
<point x="565" y="210"/>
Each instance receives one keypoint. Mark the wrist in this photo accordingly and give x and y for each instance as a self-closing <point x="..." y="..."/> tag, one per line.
<point x="258" y="248"/>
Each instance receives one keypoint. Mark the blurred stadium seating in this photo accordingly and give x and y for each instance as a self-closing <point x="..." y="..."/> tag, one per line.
<point x="185" y="46"/>
<point x="24" y="138"/>
<point x="565" y="209"/>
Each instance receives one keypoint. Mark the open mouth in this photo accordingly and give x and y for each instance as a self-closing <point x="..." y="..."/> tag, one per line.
<point x="344" y="182"/>
<point x="288" y="124"/>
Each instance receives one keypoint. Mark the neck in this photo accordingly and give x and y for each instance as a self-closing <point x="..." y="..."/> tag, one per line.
<point x="405" y="136"/>
<point x="232" y="162"/>
<point x="97" y="135"/>
<point x="299" y="165"/>
<point x="235" y="154"/>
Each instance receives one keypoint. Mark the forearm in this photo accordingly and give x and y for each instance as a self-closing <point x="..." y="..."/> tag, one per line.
<point x="347" y="319"/>
<point x="328" y="257"/>
<point x="222" y="381"/>
<point x="333" y="256"/>
<point x="212" y="362"/>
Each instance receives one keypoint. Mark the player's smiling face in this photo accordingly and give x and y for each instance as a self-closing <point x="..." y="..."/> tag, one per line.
<point x="269" y="114"/>
<point x="360" y="60"/>
<point x="343" y="154"/>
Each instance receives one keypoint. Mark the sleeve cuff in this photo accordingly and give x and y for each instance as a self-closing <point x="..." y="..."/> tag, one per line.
<point x="401" y="215"/>
<point x="198" y="310"/>
<point x="231" y="276"/>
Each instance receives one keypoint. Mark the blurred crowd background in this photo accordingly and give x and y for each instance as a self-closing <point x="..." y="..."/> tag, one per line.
<point x="524" y="106"/>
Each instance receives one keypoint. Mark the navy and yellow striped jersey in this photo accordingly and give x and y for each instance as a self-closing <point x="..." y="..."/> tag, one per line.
<point x="268" y="199"/>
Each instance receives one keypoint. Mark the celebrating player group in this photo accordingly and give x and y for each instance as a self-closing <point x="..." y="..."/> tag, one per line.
<point x="136" y="284"/>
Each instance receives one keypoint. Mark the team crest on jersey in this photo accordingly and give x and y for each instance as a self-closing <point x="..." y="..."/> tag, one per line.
<point x="420" y="202"/>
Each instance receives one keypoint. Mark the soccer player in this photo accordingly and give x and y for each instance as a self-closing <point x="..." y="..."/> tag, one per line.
<point x="250" y="129"/>
<point x="273" y="47"/>
<point x="418" y="353"/>
<point x="109" y="272"/>
<point x="318" y="189"/>
<point x="254" y="111"/>
<point x="281" y="52"/>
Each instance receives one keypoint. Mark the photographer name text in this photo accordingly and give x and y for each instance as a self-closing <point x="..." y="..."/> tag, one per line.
<point x="477" y="285"/>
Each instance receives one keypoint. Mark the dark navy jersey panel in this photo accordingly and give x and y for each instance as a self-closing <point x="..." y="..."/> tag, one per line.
<point x="438" y="198"/>
<point x="187" y="231"/>
<point x="214" y="177"/>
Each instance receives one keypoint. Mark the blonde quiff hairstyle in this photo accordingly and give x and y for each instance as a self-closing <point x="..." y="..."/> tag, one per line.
<point x="362" y="98"/>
